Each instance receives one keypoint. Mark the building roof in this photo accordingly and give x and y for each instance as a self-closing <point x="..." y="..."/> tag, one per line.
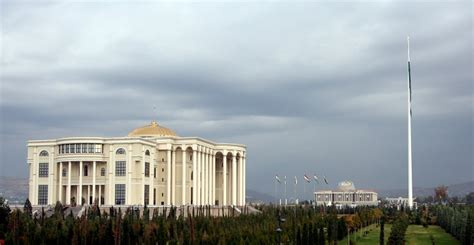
<point x="152" y="130"/>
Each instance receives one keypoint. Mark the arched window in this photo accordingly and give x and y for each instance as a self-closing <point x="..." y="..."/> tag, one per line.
<point x="86" y="170"/>
<point x="120" y="151"/>
<point x="44" y="154"/>
<point x="147" y="152"/>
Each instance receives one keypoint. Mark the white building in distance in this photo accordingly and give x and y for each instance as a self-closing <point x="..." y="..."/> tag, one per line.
<point x="346" y="195"/>
<point x="152" y="166"/>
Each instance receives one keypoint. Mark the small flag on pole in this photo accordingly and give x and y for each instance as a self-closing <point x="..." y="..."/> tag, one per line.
<point x="285" y="180"/>
<point x="307" y="178"/>
<point x="325" y="180"/>
<point x="277" y="178"/>
<point x="296" y="181"/>
<point x="316" y="178"/>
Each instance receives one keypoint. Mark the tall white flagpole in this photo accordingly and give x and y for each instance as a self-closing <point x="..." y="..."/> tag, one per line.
<point x="286" y="202"/>
<point x="410" y="180"/>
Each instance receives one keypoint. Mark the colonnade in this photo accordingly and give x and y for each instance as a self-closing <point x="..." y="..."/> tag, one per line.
<point x="204" y="184"/>
<point x="217" y="178"/>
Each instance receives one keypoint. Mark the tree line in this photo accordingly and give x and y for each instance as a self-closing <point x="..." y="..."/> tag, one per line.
<point x="289" y="225"/>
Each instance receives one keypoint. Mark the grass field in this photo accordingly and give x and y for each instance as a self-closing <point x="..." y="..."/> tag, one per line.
<point x="371" y="238"/>
<point x="416" y="235"/>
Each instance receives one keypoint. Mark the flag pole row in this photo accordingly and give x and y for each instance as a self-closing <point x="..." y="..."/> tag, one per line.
<point x="278" y="181"/>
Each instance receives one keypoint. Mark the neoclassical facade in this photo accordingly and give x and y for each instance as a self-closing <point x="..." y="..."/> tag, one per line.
<point x="346" y="195"/>
<point x="151" y="166"/>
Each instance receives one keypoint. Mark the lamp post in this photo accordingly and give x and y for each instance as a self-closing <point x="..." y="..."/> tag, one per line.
<point x="278" y="229"/>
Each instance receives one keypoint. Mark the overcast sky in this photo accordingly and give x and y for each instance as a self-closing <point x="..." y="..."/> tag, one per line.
<point x="316" y="88"/>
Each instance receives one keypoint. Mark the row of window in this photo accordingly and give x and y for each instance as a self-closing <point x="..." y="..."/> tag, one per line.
<point x="120" y="194"/>
<point x="85" y="171"/>
<point x="80" y="148"/>
<point x="120" y="170"/>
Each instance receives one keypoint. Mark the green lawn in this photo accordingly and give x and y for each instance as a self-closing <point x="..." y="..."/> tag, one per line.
<point x="371" y="238"/>
<point x="417" y="234"/>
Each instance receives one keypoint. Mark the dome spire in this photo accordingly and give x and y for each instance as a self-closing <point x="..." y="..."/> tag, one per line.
<point x="152" y="130"/>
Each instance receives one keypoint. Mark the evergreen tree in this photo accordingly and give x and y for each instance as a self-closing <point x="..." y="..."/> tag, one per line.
<point x="298" y="237"/>
<point x="322" y="239"/>
<point x="468" y="231"/>
<point x="27" y="208"/>
<point x="382" y="231"/>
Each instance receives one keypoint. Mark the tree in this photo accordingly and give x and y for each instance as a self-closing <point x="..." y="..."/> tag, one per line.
<point x="382" y="231"/>
<point x="27" y="208"/>
<point x="470" y="198"/>
<point x="468" y="231"/>
<point x="441" y="193"/>
<point x="321" y="235"/>
<point x="4" y="211"/>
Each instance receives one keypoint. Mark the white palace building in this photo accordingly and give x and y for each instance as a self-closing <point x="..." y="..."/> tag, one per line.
<point x="151" y="166"/>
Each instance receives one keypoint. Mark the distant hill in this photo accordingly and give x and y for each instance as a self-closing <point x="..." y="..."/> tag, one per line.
<point x="14" y="189"/>
<point x="255" y="196"/>
<point x="456" y="190"/>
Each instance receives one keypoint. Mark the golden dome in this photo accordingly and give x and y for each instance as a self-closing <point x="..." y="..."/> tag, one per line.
<point x="152" y="130"/>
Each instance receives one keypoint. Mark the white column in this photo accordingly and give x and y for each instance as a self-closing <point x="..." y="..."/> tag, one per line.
<point x="244" y="185"/>
<point x="79" y="196"/>
<point x="213" y="178"/>
<point x="100" y="195"/>
<point x="208" y="175"/>
<point x="234" y="179"/>
<point x="111" y="180"/>
<point x="168" y="179"/>
<point x="173" y="177"/>
<point x="198" y="176"/>
<point x="142" y="184"/>
<point x="60" y="176"/>
<point x="88" y="194"/>
<point x="94" y="165"/>
<point x="194" y="175"/>
<point x="150" y="178"/>
<point x="68" y="191"/>
<point x="183" y="184"/>
<point x="205" y="174"/>
<point x="241" y="180"/>
<point x="129" y="188"/>
<point x="51" y="170"/>
<point x="224" y="179"/>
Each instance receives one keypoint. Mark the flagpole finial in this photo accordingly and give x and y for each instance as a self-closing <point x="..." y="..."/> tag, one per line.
<point x="408" y="43"/>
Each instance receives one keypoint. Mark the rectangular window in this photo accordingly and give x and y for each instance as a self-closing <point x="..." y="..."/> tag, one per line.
<point x="91" y="148"/>
<point x="102" y="172"/>
<point x="154" y="196"/>
<point x="42" y="194"/>
<point x="120" y="194"/>
<point x="98" y="148"/>
<point x="67" y="148"/>
<point x="147" y="195"/>
<point x="72" y="148"/>
<point x="147" y="169"/>
<point x="78" y="148"/>
<point x="154" y="172"/>
<point x="84" y="148"/>
<point x="120" y="168"/>
<point x="43" y="169"/>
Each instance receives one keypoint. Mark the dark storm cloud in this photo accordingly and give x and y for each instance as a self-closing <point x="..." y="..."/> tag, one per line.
<point x="308" y="87"/>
